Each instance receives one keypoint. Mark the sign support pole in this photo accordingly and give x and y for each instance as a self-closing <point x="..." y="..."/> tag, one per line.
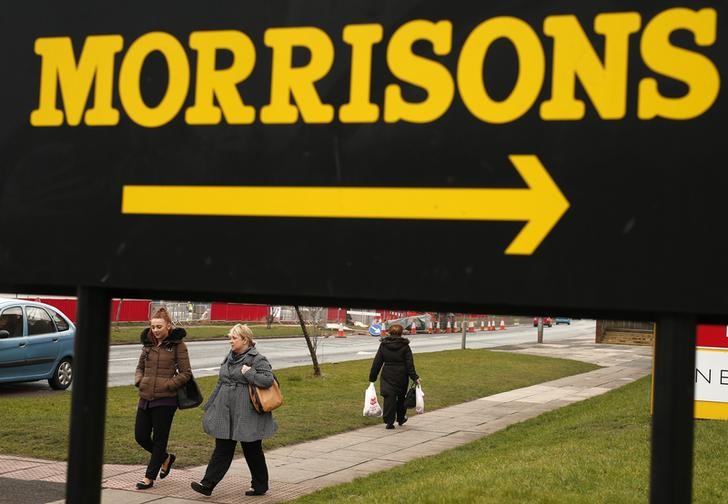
<point x="88" y="400"/>
<point x="672" y="419"/>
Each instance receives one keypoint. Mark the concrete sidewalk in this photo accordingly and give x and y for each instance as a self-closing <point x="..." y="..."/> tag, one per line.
<point x="300" y="469"/>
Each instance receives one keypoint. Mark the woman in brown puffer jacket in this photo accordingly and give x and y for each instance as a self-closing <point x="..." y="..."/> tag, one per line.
<point x="164" y="366"/>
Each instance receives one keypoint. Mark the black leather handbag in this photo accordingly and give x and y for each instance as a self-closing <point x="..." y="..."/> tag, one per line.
<point x="189" y="395"/>
<point x="410" y="400"/>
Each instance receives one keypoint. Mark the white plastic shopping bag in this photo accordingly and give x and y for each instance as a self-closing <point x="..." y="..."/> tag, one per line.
<point x="420" y="400"/>
<point x="371" y="403"/>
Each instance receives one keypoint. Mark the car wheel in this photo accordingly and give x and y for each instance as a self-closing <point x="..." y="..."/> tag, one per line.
<point x="63" y="375"/>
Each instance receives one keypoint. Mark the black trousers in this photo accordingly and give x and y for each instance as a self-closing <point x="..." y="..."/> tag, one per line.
<point x="394" y="407"/>
<point x="152" y="433"/>
<point x="222" y="457"/>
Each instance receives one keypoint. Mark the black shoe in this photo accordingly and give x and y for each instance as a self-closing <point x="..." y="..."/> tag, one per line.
<point x="200" y="488"/>
<point x="253" y="491"/>
<point x="144" y="486"/>
<point x="163" y="474"/>
<point x="403" y="421"/>
<point x="390" y="426"/>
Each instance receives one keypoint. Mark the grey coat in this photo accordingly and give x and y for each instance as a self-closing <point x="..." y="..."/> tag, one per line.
<point x="229" y="413"/>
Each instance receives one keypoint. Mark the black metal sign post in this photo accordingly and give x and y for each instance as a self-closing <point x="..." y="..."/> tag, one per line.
<point x="88" y="400"/>
<point x="672" y="420"/>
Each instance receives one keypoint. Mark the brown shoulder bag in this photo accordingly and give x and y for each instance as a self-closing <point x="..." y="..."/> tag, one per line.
<point x="265" y="400"/>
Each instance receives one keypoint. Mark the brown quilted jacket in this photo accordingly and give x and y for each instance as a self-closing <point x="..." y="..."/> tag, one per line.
<point x="156" y="373"/>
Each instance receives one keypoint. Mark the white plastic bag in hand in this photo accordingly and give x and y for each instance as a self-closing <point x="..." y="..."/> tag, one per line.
<point x="371" y="403"/>
<point x="420" y="400"/>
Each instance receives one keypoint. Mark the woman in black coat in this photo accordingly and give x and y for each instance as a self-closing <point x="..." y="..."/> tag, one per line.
<point x="395" y="355"/>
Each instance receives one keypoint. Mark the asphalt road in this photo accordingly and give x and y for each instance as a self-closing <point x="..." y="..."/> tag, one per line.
<point x="206" y="356"/>
<point x="288" y="352"/>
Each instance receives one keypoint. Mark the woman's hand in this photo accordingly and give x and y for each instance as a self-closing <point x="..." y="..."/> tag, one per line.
<point x="244" y="369"/>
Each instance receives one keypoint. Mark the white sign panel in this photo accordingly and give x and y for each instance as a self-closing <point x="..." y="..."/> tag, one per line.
<point x="711" y="375"/>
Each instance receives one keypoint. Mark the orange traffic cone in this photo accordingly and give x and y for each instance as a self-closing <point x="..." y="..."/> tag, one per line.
<point x="482" y="325"/>
<point x="429" y="327"/>
<point x="491" y="325"/>
<point x="502" y="325"/>
<point x="449" y="328"/>
<point x="340" y="332"/>
<point x="413" y="330"/>
<point x="455" y="327"/>
<point x="437" y="326"/>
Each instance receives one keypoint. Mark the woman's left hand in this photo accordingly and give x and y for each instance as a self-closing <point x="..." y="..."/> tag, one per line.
<point x="244" y="369"/>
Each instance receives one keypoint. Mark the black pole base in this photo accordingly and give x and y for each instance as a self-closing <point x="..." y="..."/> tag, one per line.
<point x="672" y="421"/>
<point x="88" y="400"/>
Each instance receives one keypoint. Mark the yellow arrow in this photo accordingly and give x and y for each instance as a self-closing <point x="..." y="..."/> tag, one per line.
<point x="541" y="204"/>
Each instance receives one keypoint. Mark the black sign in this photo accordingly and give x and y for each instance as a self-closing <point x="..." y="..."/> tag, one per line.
<point x="516" y="156"/>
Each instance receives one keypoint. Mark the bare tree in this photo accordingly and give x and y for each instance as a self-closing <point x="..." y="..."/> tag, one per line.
<point x="313" y="317"/>
<point x="115" y="327"/>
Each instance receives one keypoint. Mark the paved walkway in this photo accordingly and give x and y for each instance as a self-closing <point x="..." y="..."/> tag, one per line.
<point x="300" y="469"/>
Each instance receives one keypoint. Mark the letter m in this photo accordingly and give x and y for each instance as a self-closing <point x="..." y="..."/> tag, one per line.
<point x="59" y="70"/>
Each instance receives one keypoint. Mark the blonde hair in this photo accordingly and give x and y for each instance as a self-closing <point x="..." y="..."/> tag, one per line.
<point x="163" y="314"/>
<point x="243" y="332"/>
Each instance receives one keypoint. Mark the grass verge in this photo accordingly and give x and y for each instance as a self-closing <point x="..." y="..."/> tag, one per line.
<point x="314" y="407"/>
<point x="596" y="451"/>
<point x="126" y="334"/>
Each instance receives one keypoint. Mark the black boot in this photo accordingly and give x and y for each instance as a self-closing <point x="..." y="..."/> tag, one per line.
<point x="200" y="488"/>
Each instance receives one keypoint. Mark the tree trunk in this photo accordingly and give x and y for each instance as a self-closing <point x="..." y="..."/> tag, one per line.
<point x="269" y="317"/>
<point x="311" y="350"/>
<point x="118" y="314"/>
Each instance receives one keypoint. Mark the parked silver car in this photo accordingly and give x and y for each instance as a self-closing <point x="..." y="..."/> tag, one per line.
<point x="36" y="343"/>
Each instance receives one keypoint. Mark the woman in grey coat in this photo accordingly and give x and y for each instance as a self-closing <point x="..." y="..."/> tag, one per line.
<point x="230" y="417"/>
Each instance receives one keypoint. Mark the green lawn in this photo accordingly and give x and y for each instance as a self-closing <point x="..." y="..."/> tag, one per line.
<point x="124" y="334"/>
<point x="314" y="407"/>
<point x="596" y="451"/>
